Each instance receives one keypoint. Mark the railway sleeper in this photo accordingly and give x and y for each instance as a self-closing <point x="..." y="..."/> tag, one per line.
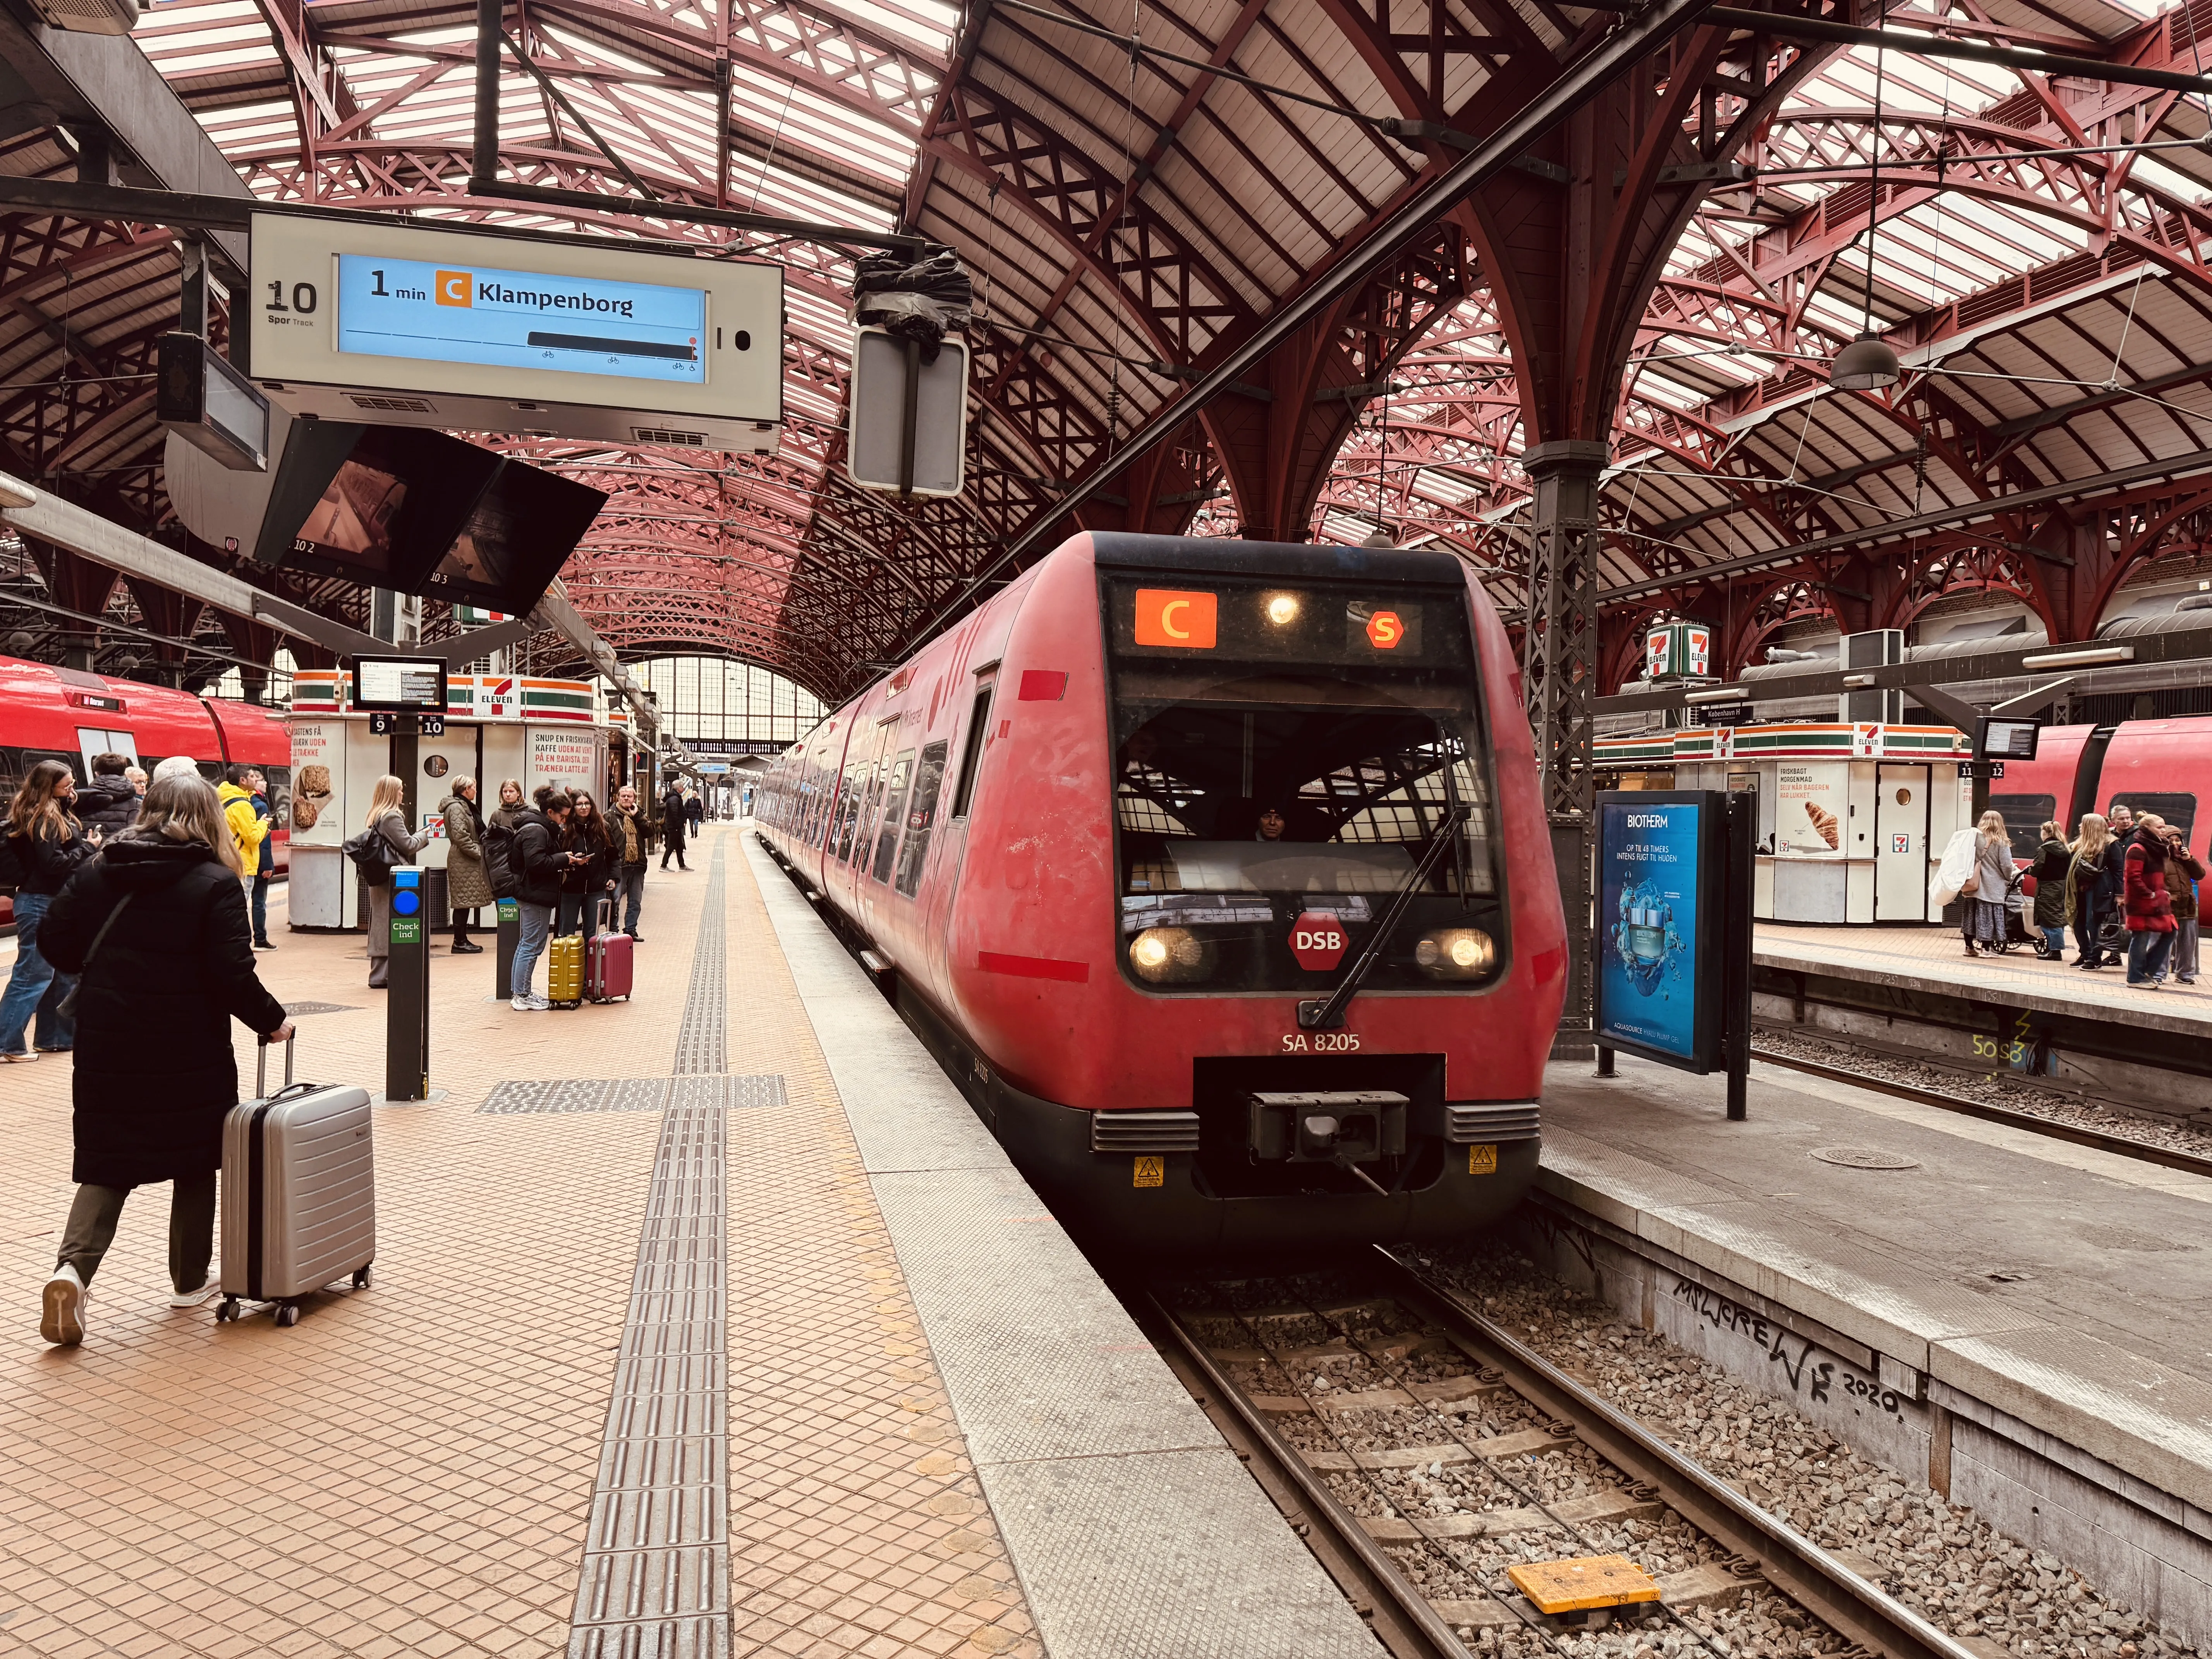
<point x="1611" y="1506"/>
<point x="1516" y="1444"/>
<point x="1712" y="1584"/>
<point x="1450" y="1391"/>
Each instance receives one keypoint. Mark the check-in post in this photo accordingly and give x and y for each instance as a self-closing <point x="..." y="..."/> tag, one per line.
<point x="407" y="1015"/>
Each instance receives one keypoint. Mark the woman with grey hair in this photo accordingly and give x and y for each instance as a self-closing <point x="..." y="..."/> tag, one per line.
<point x="156" y="926"/>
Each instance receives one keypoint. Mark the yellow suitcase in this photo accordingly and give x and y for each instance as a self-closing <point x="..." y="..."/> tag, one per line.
<point x="564" y="970"/>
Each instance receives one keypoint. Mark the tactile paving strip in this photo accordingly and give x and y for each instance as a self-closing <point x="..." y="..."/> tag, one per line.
<point x="656" y="1572"/>
<point x="630" y="1094"/>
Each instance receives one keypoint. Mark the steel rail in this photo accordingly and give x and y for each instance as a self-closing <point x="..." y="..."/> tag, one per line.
<point x="2079" y="1134"/>
<point x="1576" y="86"/>
<point x="1425" y="1632"/>
<point x="1810" y="1575"/>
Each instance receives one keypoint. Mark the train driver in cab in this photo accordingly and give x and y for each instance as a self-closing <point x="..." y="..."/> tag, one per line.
<point x="1272" y="824"/>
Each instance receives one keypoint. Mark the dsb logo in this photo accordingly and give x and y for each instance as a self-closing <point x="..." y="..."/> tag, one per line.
<point x="1317" y="940"/>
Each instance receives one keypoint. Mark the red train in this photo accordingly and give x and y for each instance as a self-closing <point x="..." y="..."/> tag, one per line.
<point x="1104" y="837"/>
<point x="2161" y="766"/>
<point x="66" y="714"/>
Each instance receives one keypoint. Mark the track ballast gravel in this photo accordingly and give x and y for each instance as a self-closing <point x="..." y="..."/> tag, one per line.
<point x="1938" y="1558"/>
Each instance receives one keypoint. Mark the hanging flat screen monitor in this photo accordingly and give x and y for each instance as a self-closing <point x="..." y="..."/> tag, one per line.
<point x="419" y="512"/>
<point x="402" y="685"/>
<point x="2002" y="739"/>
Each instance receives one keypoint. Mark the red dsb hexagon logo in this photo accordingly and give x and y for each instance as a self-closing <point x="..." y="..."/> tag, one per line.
<point x="1317" y="940"/>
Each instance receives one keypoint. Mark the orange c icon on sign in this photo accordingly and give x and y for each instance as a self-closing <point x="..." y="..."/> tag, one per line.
<point x="1167" y="617"/>
<point x="456" y="288"/>
<point x="1384" y="630"/>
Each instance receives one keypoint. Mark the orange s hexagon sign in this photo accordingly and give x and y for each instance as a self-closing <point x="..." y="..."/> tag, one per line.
<point x="1384" y="630"/>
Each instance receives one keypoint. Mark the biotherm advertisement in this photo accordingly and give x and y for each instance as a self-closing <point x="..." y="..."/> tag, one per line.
<point x="1657" y="898"/>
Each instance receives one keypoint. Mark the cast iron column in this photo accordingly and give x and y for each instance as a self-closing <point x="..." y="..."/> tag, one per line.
<point x="1558" y="676"/>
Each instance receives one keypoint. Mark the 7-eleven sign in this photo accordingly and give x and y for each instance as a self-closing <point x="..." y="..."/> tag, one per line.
<point x="499" y="697"/>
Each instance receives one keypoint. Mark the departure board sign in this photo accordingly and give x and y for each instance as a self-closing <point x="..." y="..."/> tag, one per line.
<point x="404" y="686"/>
<point x="401" y="324"/>
<point x="1290" y="623"/>
<point x="1658" y="992"/>
<point x="520" y="319"/>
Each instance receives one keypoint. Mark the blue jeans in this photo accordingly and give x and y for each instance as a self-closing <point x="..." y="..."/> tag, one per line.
<point x="2147" y="956"/>
<point x="632" y="893"/>
<point x="2054" y="940"/>
<point x="536" y="923"/>
<point x="35" y="986"/>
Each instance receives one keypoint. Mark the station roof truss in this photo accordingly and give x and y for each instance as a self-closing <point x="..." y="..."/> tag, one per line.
<point x="2041" y="265"/>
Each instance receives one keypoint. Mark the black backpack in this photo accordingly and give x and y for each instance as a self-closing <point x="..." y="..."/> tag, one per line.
<point x="373" y="856"/>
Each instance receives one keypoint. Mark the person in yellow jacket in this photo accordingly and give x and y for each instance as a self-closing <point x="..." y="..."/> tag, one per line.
<point x="247" y="827"/>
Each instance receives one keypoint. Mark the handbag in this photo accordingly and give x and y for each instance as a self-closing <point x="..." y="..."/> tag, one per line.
<point x="67" y="1007"/>
<point x="373" y="856"/>
<point x="1973" y="887"/>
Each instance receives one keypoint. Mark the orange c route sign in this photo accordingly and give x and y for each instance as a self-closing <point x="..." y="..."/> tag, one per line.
<point x="1168" y="616"/>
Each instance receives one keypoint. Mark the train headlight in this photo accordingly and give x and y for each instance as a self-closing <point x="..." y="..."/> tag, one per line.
<point x="1456" y="953"/>
<point x="1168" y="956"/>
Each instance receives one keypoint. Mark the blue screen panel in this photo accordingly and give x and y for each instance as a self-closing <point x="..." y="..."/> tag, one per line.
<point x="520" y="320"/>
<point x="1648" y="924"/>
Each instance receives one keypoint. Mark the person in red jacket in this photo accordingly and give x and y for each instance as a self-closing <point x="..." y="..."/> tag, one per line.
<point x="2149" y="907"/>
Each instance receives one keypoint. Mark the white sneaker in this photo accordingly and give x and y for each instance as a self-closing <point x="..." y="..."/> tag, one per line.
<point x="62" y="1321"/>
<point x="531" y="1004"/>
<point x="193" y="1298"/>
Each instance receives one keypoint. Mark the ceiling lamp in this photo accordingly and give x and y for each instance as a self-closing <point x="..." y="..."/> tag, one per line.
<point x="1870" y="363"/>
<point x="1379" y="538"/>
<point x="1866" y="364"/>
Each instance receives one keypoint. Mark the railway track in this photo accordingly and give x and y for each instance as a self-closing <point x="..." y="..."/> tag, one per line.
<point x="1351" y="1408"/>
<point x="2079" y="1134"/>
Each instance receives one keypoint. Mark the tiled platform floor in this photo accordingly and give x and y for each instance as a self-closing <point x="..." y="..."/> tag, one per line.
<point x="408" y="1471"/>
<point x="1937" y="955"/>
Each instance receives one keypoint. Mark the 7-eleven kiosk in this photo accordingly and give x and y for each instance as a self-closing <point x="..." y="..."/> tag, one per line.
<point x="498" y="727"/>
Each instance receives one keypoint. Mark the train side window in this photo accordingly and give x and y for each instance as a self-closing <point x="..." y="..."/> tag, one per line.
<point x="2025" y="817"/>
<point x="971" y="756"/>
<point x="28" y="758"/>
<point x="2179" y="811"/>
<point x="894" y="815"/>
<point x="921" y="816"/>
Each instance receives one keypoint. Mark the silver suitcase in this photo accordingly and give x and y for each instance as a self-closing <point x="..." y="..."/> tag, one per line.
<point x="299" y="1193"/>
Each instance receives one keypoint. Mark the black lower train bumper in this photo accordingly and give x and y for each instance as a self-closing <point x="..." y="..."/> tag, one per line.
<point x="1163" y="1203"/>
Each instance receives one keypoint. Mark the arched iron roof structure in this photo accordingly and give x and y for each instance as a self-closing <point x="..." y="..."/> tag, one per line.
<point x="1668" y="272"/>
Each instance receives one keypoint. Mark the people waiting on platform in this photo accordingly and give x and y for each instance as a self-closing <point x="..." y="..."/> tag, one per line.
<point x="2087" y="901"/>
<point x="45" y="842"/>
<point x="634" y="831"/>
<point x="156" y="926"/>
<point x="590" y="876"/>
<point x="1985" y="900"/>
<point x="2051" y="860"/>
<point x="387" y="816"/>
<point x="247" y="827"/>
<point x="138" y="779"/>
<point x="2184" y="871"/>
<point x="177" y="766"/>
<point x="673" y="822"/>
<point x="2149" y="907"/>
<point x="539" y="860"/>
<point x="108" y="803"/>
<point x="696" y="809"/>
<point x="264" y="868"/>
<point x="467" y="885"/>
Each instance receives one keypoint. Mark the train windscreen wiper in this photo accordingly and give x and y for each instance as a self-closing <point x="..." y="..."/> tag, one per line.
<point x="1317" y="1015"/>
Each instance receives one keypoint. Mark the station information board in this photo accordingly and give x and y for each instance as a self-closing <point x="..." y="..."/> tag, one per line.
<point x="405" y="685"/>
<point x="399" y="324"/>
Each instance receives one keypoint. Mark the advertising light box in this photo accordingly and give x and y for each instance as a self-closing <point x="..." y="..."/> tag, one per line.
<point x="1659" y="899"/>
<point x="399" y="324"/>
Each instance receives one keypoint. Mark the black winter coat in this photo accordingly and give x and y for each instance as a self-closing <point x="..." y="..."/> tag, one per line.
<point x="2050" y="873"/>
<point x="48" y="861"/>
<point x="591" y="878"/>
<point x="538" y="850"/>
<point x="109" y="805"/>
<point x="672" y="818"/>
<point x="154" y="1073"/>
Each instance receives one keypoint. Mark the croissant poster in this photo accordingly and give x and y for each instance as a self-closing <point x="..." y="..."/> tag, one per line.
<point x="1812" y="809"/>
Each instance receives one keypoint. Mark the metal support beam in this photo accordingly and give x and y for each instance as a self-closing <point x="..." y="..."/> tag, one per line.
<point x="1558" y="676"/>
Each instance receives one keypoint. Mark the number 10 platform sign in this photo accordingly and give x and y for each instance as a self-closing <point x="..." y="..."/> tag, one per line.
<point x="1674" y="930"/>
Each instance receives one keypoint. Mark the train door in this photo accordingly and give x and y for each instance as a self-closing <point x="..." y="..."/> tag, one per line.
<point x="92" y="740"/>
<point x="952" y="853"/>
<point x="1900" y="851"/>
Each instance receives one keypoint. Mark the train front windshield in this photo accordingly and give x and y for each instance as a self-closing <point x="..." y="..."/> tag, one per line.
<point x="1285" y="755"/>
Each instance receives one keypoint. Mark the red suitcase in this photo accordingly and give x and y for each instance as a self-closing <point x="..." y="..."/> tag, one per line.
<point x="607" y="960"/>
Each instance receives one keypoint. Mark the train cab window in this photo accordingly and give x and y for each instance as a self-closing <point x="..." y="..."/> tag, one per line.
<point x="920" y="817"/>
<point x="1301" y="761"/>
<point x="971" y="753"/>
<point x="2025" y="817"/>
<point x="279" y="778"/>
<point x="2178" y="810"/>
<point x="894" y="817"/>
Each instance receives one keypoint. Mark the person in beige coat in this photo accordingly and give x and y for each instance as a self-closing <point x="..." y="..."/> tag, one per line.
<point x="467" y="884"/>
